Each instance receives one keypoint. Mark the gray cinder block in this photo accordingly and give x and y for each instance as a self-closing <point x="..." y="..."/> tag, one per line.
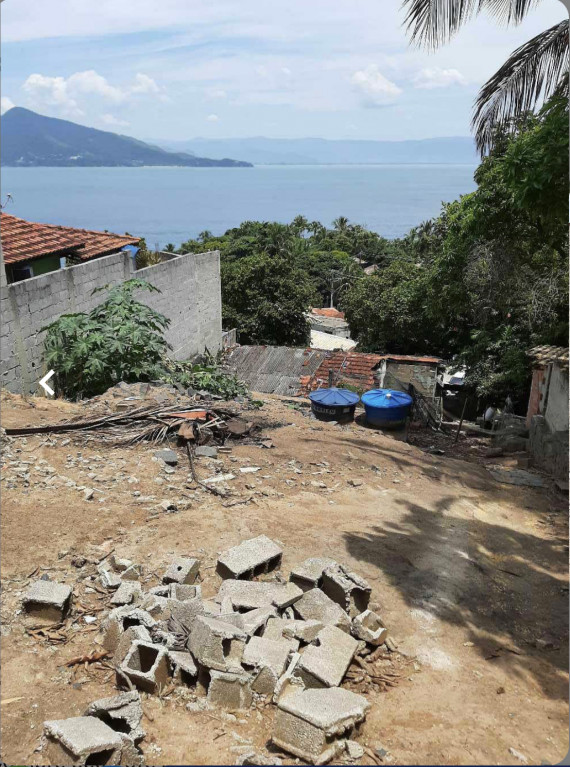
<point x="347" y="589"/>
<point x="294" y="630"/>
<point x="82" y="740"/>
<point x="146" y="665"/>
<point x="215" y="644"/>
<point x="309" y="574"/>
<point x="253" y="557"/>
<point x="230" y="690"/>
<point x="182" y="571"/>
<point x="122" y="713"/>
<point x="314" y="724"/>
<point x="119" y="620"/>
<point x="182" y="667"/>
<point x="129" y="592"/>
<point x="127" y="638"/>
<point x="268" y="658"/>
<point x="369" y="627"/>
<point x="47" y="601"/>
<point x="315" y="605"/>
<point x="325" y="663"/>
<point x="249" y="595"/>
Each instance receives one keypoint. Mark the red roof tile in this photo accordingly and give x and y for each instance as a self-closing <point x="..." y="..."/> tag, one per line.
<point x="25" y="241"/>
<point x="328" y="313"/>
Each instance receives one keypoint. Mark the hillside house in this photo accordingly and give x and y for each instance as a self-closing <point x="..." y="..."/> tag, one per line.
<point x="30" y="249"/>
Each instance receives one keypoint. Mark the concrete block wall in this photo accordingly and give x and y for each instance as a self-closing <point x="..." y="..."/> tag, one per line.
<point x="190" y="297"/>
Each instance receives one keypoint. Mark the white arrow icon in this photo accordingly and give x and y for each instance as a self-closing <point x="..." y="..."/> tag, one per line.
<point x="43" y="383"/>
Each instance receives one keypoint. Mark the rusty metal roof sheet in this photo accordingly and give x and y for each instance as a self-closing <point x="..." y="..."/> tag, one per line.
<point x="274" y="369"/>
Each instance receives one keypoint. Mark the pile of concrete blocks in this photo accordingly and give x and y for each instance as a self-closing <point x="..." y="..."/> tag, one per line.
<point x="260" y="638"/>
<point x="108" y="733"/>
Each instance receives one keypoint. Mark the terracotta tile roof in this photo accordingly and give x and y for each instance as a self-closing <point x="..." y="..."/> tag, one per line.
<point x="328" y="313"/>
<point x="25" y="241"/>
<point x="543" y="355"/>
<point x="350" y="368"/>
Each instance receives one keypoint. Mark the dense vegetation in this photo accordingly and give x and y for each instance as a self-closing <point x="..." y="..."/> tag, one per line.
<point x="122" y="339"/>
<point x="480" y="284"/>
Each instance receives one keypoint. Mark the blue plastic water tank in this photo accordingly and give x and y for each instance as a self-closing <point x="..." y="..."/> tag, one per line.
<point x="334" y="404"/>
<point x="386" y="407"/>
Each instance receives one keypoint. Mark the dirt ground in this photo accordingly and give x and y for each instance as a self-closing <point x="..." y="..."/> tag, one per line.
<point x="470" y="576"/>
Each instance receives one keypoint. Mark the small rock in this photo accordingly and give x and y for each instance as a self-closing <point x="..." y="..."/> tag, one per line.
<point x="168" y="456"/>
<point x="517" y="754"/>
<point x="355" y="482"/>
<point x="206" y="451"/>
<point x="168" y="506"/>
<point x="354" y="749"/>
<point x="88" y="493"/>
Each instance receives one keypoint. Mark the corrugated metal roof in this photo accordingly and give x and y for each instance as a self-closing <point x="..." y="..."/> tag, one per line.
<point x="274" y="369"/>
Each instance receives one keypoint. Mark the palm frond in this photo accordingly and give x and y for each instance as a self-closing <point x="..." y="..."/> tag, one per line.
<point x="532" y="74"/>
<point x="434" y="22"/>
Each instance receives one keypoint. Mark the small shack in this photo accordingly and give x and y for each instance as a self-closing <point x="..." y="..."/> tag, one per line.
<point x="397" y="371"/>
<point x="547" y="413"/>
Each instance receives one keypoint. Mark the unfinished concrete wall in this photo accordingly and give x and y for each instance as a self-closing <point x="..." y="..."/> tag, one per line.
<point x="190" y="297"/>
<point x="422" y="376"/>
<point x="557" y="402"/>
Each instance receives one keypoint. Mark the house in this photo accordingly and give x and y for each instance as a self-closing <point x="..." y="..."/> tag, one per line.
<point x="329" y="321"/>
<point x="547" y="413"/>
<point x="330" y="342"/>
<point x="30" y="249"/>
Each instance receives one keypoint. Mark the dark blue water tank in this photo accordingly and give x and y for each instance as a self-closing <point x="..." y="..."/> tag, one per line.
<point x="386" y="407"/>
<point x="334" y="404"/>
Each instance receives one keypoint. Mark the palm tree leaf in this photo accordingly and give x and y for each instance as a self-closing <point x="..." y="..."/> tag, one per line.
<point x="532" y="74"/>
<point x="434" y="22"/>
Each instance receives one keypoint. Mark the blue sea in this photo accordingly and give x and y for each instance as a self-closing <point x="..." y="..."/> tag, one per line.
<point x="173" y="204"/>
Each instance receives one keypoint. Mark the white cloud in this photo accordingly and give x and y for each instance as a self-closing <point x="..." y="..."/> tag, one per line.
<point x="376" y="89"/>
<point x="112" y="121"/>
<point x="6" y="104"/>
<point x="212" y="118"/>
<point x="435" y="77"/>
<point x="71" y="96"/>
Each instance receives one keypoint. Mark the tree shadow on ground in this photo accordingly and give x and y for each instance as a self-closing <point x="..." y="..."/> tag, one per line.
<point x="506" y="588"/>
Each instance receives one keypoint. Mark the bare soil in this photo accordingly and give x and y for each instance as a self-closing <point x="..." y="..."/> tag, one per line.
<point x="471" y="577"/>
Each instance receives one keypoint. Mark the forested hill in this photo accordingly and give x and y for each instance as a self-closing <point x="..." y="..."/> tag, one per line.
<point x="31" y="139"/>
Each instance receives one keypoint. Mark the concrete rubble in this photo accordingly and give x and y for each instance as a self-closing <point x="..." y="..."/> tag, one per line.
<point x="47" y="601"/>
<point x="251" y="558"/>
<point x="314" y="724"/>
<point x="255" y="642"/>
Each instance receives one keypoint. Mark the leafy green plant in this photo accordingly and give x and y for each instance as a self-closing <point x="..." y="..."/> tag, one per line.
<point x="206" y="376"/>
<point x="121" y="339"/>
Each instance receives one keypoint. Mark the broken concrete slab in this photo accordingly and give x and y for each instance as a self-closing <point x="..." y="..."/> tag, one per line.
<point x="368" y="626"/>
<point x="253" y="557"/>
<point x="182" y="570"/>
<point x="109" y="579"/>
<point x="252" y="621"/>
<point x="249" y="595"/>
<point x="122" y="713"/>
<point x="315" y="605"/>
<point x="131" y="755"/>
<point x="132" y="573"/>
<point x="182" y="667"/>
<point x="146" y="666"/>
<point x="347" y="589"/>
<point x="325" y="663"/>
<point x="127" y="638"/>
<point x="47" y="601"/>
<point x="268" y="658"/>
<point x="308" y="575"/>
<point x="254" y="759"/>
<point x="154" y="605"/>
<point x="230" y="690"/>
<point x="293" y="629"/>
<point x="118" y="564"/>
<point x="82" y="740"/>
<point x="129" y="592"/>
<point x="314" y="724"/>
<point x="215" y="644"/>
<point x="288" y="683"/>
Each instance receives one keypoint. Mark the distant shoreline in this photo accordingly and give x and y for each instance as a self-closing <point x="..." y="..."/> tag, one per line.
<point x="259" y="165"/>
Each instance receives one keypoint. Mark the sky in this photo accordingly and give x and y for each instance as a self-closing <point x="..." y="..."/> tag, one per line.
<point x="177" y="69"/>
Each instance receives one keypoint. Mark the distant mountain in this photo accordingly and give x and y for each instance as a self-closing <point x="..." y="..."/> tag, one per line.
<point x="319" y="151"/>
<point x="30" y="139"/>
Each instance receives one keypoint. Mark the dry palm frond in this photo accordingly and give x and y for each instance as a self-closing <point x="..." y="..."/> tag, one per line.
<point x="533" y="73"/>
<point x="434" y="22"/>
